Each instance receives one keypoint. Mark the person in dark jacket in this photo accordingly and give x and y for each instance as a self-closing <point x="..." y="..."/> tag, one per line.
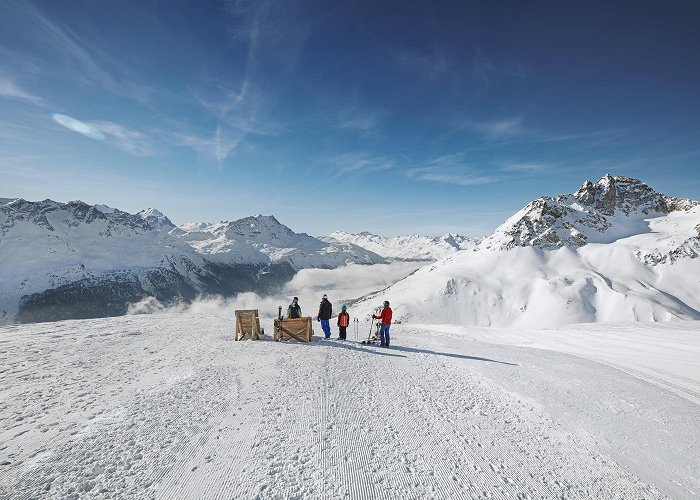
<point x="385" y="318"/>
<point x="325" y="311"/>
<point x="343" y="322"/>
<point x="294" y="309"/>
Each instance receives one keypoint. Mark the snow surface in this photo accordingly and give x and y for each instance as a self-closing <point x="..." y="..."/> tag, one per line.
<point x="169" y="406"/>
<point x="410" y="247"/>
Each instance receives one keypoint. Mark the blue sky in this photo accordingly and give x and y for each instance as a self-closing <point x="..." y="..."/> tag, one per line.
<point x="392" y="117"/>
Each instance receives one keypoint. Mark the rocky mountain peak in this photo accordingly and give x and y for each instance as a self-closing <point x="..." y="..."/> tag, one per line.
<point x="156" y="219"/>
<point x="611" y="193"/>
<point x="258" y="224"/>
<point x="48" y="213"/>
<point x="612" y="207"/>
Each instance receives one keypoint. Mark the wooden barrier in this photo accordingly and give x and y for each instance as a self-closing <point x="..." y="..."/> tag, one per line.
<point x="299" y="329"/>
<point x="248" y="323"/>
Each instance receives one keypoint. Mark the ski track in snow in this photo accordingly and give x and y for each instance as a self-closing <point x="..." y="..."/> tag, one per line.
<point x="169" y="406"/>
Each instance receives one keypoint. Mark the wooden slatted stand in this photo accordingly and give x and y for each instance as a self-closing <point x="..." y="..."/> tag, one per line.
<point x="248" y="323"/>
<point x="299" y="329"/>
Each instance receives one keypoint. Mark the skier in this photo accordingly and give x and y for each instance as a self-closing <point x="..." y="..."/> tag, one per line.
<point x="385" y="316"/>
<point x="325" y="311"/>
<point x="343" y="322"/>
<point x="294" y="309"/>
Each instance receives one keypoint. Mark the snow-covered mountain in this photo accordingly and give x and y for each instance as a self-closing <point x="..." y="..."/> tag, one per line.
<point x="263" y="239"/>
<point x="73" y="260"/>
<point x="614" y="250"/>
<point x="412" y="247"/>
<point x="601" y="212"/>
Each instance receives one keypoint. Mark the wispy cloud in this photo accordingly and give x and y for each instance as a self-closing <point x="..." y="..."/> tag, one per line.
<point x="359" y="163"/>
<point x="218" y="146"/>
<point x="353" y="115"/>
<point x="274" y="30"/>
<point x="95" y="64"/>
<point x="515" y="129"/>
<point x="439" y="65"/>
<point x="483" y="68"/>
<point x="78" y="126"/>
<point x="496" y="129"/>
<point x="605" y="134"/>
<point x="127" y="139"/>
<point x="225" y="144"/>
<point x="524" y="167"/>
<point x="10" y="90"/>
<point x="238" y="113"/>
<point x="457" y="178"/>
<point x="432" y="67"/>
<point x="449" y="169"/>
<point x="274" y="36"/>
<point x="358" y="120"/>
<point x="22" y="165"/>
<point x="504" y="127"/>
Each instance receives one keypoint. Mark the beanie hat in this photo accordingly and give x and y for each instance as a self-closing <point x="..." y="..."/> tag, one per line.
<point x="345" y="307"/>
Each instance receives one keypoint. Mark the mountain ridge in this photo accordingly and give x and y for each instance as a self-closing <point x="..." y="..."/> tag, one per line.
<point x="556" y="246"/>
<point x="614" y="250"/>
<point x="411" y="247"/>
<point x="590" y="214"/>
<point x="64" y="260"/>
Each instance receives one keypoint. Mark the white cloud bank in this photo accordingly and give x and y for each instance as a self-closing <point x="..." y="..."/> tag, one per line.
<point x="342" y="284"/>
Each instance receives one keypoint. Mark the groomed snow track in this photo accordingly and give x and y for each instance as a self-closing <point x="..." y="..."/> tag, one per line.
<point x="169" y="406"/>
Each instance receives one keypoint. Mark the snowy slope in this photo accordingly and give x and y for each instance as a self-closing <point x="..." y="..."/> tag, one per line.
<point x="569" y="259"/>
<point x="49" y="245"/>
<point x="169" y="406"/>
<point x="411" y="247"/>
<point x="264" y="239"/>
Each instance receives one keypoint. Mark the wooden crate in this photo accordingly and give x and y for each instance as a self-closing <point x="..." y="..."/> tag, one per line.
<point x="248" y="323"/>
<point x="299" y="329"/>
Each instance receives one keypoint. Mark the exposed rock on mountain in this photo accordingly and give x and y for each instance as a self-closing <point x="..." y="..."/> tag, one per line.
<point x="613" y="207"/>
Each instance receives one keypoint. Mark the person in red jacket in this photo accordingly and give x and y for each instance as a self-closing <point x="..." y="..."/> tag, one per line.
<point x="343" y="322"/>
<point x="385" y="316"/>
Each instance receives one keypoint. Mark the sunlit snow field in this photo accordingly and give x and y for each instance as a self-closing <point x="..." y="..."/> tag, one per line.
<point x="170" y="406"/>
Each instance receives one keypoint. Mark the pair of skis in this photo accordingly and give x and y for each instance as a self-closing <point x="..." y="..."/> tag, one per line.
<point x="372" y="325"/>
